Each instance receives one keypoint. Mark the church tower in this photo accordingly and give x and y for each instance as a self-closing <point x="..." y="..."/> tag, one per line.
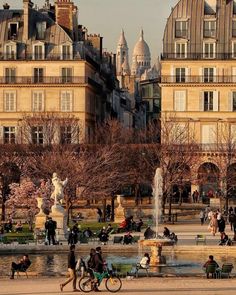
<point x="122" y="57"/>
<point x="141" y="57"/>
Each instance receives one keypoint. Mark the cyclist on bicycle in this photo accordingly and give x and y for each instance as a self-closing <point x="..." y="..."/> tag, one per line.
<point x="98" y="264"/>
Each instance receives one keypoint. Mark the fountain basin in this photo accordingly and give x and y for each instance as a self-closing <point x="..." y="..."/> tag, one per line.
<point x="156" y="249"/>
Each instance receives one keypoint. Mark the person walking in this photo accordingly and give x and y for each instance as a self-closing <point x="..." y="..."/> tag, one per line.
<point x="202" y="216"/>
<point x="214" y="224"/>
<point x="71" y="270"/>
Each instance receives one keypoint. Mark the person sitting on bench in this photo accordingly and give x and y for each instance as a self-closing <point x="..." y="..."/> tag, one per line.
<point x="23" y="265"/>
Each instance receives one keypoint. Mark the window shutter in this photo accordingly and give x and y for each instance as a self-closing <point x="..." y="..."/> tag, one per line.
<point x="187" y="74"/>
<point x="17" y="135"/>
<point x="40" y="101"/>
<point x="201" y="75"/>
<point x="215" y="101"/>
<point x="173" y="74"/>
<point x="63" y="101"/>
<point x="1" y="134"/>
<point x="201" y="101"/>
<point x="230" y="101"/>
<point x="177" y="102"/>
<point x="215" y="74"/>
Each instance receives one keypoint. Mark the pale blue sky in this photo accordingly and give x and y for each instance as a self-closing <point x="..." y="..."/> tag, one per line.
<point x="108" y="17"/>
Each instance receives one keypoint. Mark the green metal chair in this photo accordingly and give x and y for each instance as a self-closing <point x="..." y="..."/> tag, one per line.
<point x="226" y="270"/>
<point x="200" y="239"/>
<point x="122" y="269"/>
<point x="211" y="270"/>
<point x="117" y="240"/>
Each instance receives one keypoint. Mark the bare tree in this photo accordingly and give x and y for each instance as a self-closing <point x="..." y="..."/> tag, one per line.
<point x="175" y="151"/>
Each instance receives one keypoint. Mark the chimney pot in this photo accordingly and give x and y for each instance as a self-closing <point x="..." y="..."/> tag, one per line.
<point x="6" y="6"/>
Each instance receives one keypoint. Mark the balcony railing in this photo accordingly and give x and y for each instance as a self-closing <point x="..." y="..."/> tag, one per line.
<point x="49" y="80"/>
<point x="31" y="56"/>
<point x="199" y="79"/>
<point x="198" y="56"/>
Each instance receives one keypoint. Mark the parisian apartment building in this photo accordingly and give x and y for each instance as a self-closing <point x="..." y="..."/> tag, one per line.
<point x="49" y="63"/>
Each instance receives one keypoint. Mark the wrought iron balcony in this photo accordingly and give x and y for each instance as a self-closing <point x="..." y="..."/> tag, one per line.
<point x="198" y="79"/>
<point x="49" y="80"/>
<point x="198" y="56"/>
<point x="38" y="57"/>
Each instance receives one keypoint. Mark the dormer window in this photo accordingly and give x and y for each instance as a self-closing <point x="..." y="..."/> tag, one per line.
<point x="66" y="51"/>
<point x="10" y="51"/>
<point x="41" y="30"/>
<point x="13" y="30"/>
<point x="181" y="29"/>
<point x="38" y="51"/>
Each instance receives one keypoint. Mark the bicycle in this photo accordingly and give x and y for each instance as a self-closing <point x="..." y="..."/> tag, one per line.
<point x="113" y="283"/>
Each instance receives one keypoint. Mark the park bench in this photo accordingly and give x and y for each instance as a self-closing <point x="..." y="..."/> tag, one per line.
<point x="200" y="239"/>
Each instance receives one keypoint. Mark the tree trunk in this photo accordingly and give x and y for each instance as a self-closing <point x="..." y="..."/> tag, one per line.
<point x="112" y="208"/>
<point x="3" y="216"/>
<point x="104" y="210"/>
<point x="170" y="203"/>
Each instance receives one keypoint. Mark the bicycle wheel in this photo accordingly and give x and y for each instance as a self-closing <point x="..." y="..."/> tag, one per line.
<point x="113" y="284"/>
<point x="85" y="284"/>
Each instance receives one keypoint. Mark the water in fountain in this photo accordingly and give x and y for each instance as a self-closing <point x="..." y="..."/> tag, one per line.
<point x="157" y="194"/>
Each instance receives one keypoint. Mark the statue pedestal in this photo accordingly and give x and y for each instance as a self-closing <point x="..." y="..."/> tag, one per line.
<point x="119" y="211"/>
<point x="59" y="215"/>
<point x="40" y="220"/>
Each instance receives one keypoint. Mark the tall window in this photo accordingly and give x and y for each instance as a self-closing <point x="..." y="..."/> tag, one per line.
<point x="208" y="100"/>
<point x="37" y="135"/>
<point x="180" y="75"/>
<point x="37" y="101"/>
<point x="10" y="51"/>
<point x="234" y="28"/>
<point x="9" y="135"/>
<point x="232" y="102"/>
<point x="38" y="75"/>
<point x="180" y="50"/>
<point x="209" y="49"/>
<point x="41" y="30"/>
<point x="66" y="135"/>
<point x="10" y="75"/>
<point x="181" y="29"/>
<point x="209" y="29"/>
<point x="233" y="49"/>
<point x="180" y="101"/>
<point x="66" y="75"/>
<point x="208" y="134"/>
<point x="10" y="101"/>
<point x="66" y="52"/>
<point x="12" y="31"/>
<point x="38" y="52"/>
<point x="66" y="101"/>
<point x="208" y="75"/>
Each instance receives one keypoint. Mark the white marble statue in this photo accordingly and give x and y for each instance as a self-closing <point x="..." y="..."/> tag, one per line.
<point x="59" y="185"/>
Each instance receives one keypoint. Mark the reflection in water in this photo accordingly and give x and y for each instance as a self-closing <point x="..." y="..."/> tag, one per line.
<point x="56" y="264"/>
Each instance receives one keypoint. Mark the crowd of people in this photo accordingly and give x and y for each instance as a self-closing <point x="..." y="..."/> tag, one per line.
<point x="217" y="223"/>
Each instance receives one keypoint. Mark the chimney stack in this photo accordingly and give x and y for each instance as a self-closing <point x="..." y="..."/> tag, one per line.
<point x="65" y="10"/>
<point x="27" y="5"/>
<point x="6" y="6"/>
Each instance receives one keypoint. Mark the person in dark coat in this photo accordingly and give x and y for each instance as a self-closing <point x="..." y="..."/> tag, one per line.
<point x="221" y="224"/>
<point x="50" y="227"/>
<point x="71" y="269"/>
<point x="23" y="265"/>
<point x="149" y="233"/>
<point x="98" y="266"/>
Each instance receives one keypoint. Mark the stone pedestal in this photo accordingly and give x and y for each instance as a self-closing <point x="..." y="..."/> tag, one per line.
<point x="59" y="215"/>
<point x="40" y="218"/>
<point x="119" y="211"/>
